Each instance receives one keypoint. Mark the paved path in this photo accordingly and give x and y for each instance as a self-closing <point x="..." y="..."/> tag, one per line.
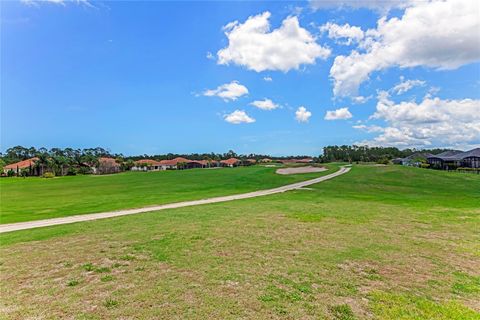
<point x="103" y="215"/>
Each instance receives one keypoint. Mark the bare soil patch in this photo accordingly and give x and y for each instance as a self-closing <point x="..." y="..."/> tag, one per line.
<point x="296" y="170"/>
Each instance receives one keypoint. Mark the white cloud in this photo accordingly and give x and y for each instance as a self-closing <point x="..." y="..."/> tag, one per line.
<point x="339" y="114"/>
<point x="370" y="129"/>
<point x="382" y="6"/>
<point x="60" y="2"/>
<point x="265" y="104"/>
<point x="431" y="122"/>
<point x="302" y="114"/>
<point x="253" y="45"/>
<point x="228" y="91"/>
<point x="361" y="99"/>
<point x="439" y="34"/>
<point x="268" y="79"/>
<point x="406" y="85"/>
<point x="238" y="116"/>
<point x="210" y="56"/>
<point x="351" y="34"/>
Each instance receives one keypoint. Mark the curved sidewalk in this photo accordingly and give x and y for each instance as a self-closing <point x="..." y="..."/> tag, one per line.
<point x="103" y="215"/>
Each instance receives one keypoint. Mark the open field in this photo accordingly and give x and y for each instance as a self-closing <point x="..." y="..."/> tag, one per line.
<point x="377" y="243"/>
<point x="36" y="198"/>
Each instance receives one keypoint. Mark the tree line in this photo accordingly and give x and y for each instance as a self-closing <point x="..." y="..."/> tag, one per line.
<point x="368" y="154"/>
<point x="70" y="161"/>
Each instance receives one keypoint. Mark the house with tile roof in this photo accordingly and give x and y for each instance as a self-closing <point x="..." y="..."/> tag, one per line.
<point x="232" y="162"/>
<point x="28" y="164"/>
<point x="147" y="165"/>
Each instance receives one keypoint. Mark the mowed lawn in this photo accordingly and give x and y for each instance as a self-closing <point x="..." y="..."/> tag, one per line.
<point x="38" y="198"/>
<point x="376" y="243"/>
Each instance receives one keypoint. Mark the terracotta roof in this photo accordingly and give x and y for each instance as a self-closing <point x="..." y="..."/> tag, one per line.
<point x="230" y="161"/>
<point x="148" y="162"/>
<point x="22" y="164"/>
<point x="109" y="161"/>
<point x="175" y="161"/>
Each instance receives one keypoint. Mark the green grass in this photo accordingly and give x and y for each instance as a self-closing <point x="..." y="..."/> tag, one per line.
<point x="377" y="243"/>
<point x="37" y="198"/>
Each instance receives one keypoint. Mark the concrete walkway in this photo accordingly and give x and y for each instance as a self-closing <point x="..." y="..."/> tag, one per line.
<point x="103" y="215"/>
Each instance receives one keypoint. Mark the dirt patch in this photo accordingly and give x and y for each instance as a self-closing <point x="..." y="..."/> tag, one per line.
<point x="307" y="169"/>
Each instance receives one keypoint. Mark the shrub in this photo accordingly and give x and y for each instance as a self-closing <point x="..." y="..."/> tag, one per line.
<point x="383" y="161"/>
<point x="48" y="175"/>
<point x="85" y="170"/>
<point x="10" y="173"/>
<point x="72" y="172"/>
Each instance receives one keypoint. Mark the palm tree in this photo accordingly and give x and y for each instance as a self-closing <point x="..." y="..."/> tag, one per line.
<point x="42" y="162"/>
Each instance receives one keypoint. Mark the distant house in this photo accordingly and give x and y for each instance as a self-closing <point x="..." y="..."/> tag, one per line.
<point x="106" y="166"/>
<point x="265" y="160"/>
<point x="232" y="162"/>
<point x="414" y="159"/>
<point x="147" y="165"/>
<point x="451" y="160"/>
<point x="181" y="163"/>
<point x="28" y="164"/>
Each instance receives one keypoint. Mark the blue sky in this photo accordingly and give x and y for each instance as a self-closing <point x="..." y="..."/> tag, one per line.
<point x="134" y="76"/>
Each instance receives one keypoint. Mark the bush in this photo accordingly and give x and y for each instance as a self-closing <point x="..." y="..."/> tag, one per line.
<point x="48" y="175"/>
<point x="424" y="165"/>
<point x="10" y="173"/>
<point x="72" y="172"/>
<point x="85" y="170"/>
<point x="24" y="173"/>
<point x="383" y="161"/>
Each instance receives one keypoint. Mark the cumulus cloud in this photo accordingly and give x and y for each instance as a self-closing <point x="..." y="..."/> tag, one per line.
<point x="349" y="34"/>
<point x="433" y="121"/>
<point x="406" y="85"/>
<point x="339" y="114"/>
<point x="439" y="34"/>
<point x="238" y="116"/>
<point x="381" y="6"/>
<point x="265" y="104"/>
<point x="253" y="45"/>
<point x="268" y="79"/>
<point x="302" y="114"/>
<point x="369" y="129"/>
<point x="228" y="91"/>
<point x="361" y="99"/>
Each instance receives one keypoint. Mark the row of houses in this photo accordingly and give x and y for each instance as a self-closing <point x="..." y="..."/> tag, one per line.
<point x="105" y="165"/>
<point x="448" y="160"/>
<point x="184" y="163"/>
<point x="451" y="160"/>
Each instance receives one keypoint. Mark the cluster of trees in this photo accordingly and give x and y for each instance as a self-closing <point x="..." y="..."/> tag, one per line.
<point x="368" y="154"/>
<point x="212" y="156"/>
<point x="57" y="161"/>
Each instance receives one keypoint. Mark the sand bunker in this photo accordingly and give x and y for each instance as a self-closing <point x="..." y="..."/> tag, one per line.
<point x="300" y="170"/>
